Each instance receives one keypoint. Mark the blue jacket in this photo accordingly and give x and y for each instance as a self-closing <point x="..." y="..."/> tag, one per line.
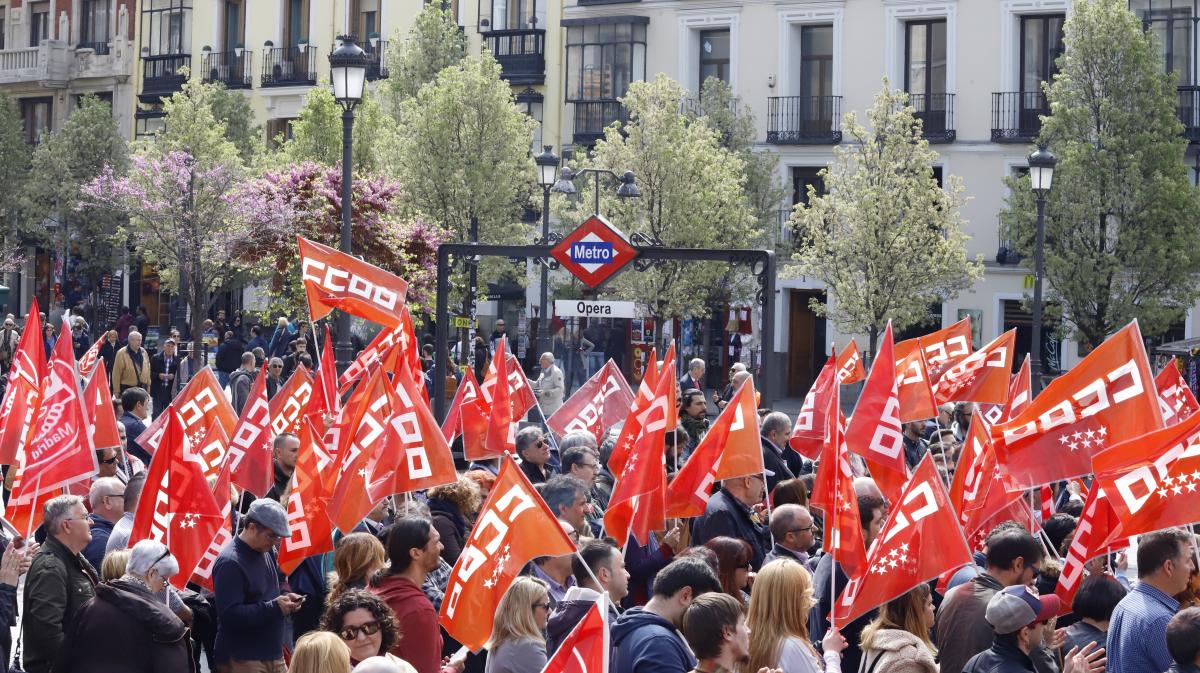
<point x="94" y="551"/>
<point x="643" y="642"/>
<point x="726" y="516"/>
<point x="250" y="624"/>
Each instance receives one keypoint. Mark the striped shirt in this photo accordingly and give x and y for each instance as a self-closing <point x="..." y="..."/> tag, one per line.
<point x="1137" y="641"/>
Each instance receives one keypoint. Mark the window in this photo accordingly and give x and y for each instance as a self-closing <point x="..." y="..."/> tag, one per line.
<point x="35" y="115"/>
<point x="296" y="24"/>
<point x="925" y="57"/>
<point x="233" y="29"/>
<point x="39" y="23"/>
<point x="531" y="103"/>
<point x="365" y="20"/>
<point x="602" y="59"/>
<point x="816" y="60"/>
<point x="714" y="55"/>
<point x="3" y="11"/>
<point x="516" y="15"/>
<point x="1173" y="22"/>
<point x="1041" y="45"/>
<point x="802" y="178"/>
<point x="277" y="129"/>
<point x="94" y="23"/>
<point x="166" y="27"/>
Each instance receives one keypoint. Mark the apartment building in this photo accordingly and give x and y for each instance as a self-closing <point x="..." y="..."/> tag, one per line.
<point x="973" y="71"/>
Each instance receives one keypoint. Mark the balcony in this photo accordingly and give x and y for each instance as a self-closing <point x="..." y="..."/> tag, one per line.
<point x="161" y="76"/>
<point x="521" y="54"/>
<point x="48" y="64"/>
<point x="593" y="116"/>
<point x="1189" y="112"/>
<point x="1016" y="116"/>
<point x="227" y="67"/>
<point x="936" y="112"/>
<point x="377" y="68"/>
<point x="804" y="120"/>
<point x="289" y="66"/>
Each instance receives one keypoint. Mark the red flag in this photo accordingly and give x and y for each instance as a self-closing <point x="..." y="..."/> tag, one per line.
<point x="520" y="391"/>
<point x="598" y="405"/>
<point x="102" y="420"/>
<point x="372" y="411"/>
<point x="371" y="356"/>
<point x="250" y="452"/>
<point x="200" y="404"/>
<point x="849" y="365"/>
<point x="210" y="453"/>
<point x="921" y="520"/>
<point x="514" y="526"/>
<point x="221" y="491"/>
<point x="629" y="431"/>
<point x="979" y="491"/>
<point x="808" y="435"/>
<point x="288" y="405"/>
<point x="334" y="279"/>
<point x="467" y="417"/>
<point x="943" y="348"/>
<point x="91" y="356"/>
<point x="1174" y="396"/>
<point x="325" y="400"/>
<point x="413" y="454"/>
<point x="982" y="377"/>
<point x="875" y="432"/>
<point x="585" y="649"/>
<point x="1105" y="399"/>
<point x="1047" y="497"/>
<point x="499" y="439"/>
<point x="1097" y="524"/>
<point x="307" y="507"/>
<point x="912" y="382"/>
<point x="833" y="493"/>
<point x="731" y="448"/>
<point x="177" y="508"/>
<point x="638" y="502"/>
<point x="23" y="393"/>
<point x="1020" y="394"/>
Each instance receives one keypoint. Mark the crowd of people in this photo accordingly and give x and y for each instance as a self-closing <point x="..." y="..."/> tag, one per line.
<point x="747" y="586"/>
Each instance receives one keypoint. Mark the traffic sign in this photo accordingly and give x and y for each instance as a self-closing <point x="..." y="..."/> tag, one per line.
<point x="462" y="322"/>
<point x="594" y="251"/>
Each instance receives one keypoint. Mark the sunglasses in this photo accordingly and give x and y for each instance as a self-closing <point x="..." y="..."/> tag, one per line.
<point x="352" y="632"/>
<point x="110" y="461"/>
<point x="544" y="606"/>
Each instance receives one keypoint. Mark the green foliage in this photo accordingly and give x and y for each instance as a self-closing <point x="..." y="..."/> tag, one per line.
<point x="191" y="125"/>
<point x="885" y="239"/>
<point x="433" y="44"/>
<point x="63" y="163"/>
<point x="233" y="109"/>
<point x="693" y="196"/>
<point x="317" y="134"/>
<point x="1122" y="241"/>
<point x="14" y="164"/>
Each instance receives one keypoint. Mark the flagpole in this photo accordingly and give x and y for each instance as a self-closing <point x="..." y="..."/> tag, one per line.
<point x="37" y="486"/>
<point x="831" y="517"/>
<point x="589" y="571"/>
<point x="937" y="424"/>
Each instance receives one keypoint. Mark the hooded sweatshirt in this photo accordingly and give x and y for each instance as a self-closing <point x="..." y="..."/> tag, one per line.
<point x="643" y="642"/>
<point x="898" y="651"/>
<point x="420" y="639"/>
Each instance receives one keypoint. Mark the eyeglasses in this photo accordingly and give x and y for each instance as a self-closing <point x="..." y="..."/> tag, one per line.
<point x="800" y="530"/>
<point x="165" y="554"/>
<point x="113" y="495"/>
<point x="541" y="442"/>
<point x="366" y="629"/>
<point x="109" y="461"/>
<point x="544" y="606"/>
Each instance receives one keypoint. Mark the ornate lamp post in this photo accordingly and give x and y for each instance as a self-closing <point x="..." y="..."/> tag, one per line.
<point x="1041" y="173"/>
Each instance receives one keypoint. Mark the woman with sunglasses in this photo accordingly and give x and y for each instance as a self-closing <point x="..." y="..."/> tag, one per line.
<point x="517" y="644"/>
<point x="127" y="626"/>
<point x="366" y="624"/>
<point x="734" y="556"/>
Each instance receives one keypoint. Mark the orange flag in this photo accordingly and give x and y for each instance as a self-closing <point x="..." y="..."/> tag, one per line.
<point x="731" y="448"/>
<point x="1020" y="394"/>
<point x="943" y="348"/>
<point x="833" y="493"/>
<point x="499" y="438"/>
<point x="467" y="417"/>
<point x="372" y="412"/>
<point x="307" y="507"/>
<point x="598" y="405"/>
<point x="324" y="400"/>
<point x="875" y="432"/>
<point x="200" y="404"/>
<point x="22" y="396"/>
<point x="849" y="365"/>
<point x="912" y="382"/>
<point x="373" y="354"/>
<point x="520" y="391"/>
<point x="514" y="526"/>
<point x="102" y="420"/>
<point x="413" y="455"/>
<point x="1107" y="398"/>
<point x="289" y="403"/>
<point x="1096" y="534"/>
<point x="1174" y="396"/>
<point x="981" y="377"/>
<point x="808" y="435"/>
<point x="250" y="452"/>
<point x="334" y="279"/>
<point x="979" y="490"/>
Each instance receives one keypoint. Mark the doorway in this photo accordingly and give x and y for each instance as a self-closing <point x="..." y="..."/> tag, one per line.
<point x="806" y="338"/>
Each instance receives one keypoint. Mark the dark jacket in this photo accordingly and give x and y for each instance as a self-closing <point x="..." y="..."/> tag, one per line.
<point x="250" y="624"/>
<point x="279" y="342"/>
<point x="961" y="630"/>
<point x="1002" y="657"/>
<point x="1183" y="668"/>
<point x="451" y="525"/>
<point x="280" y="485"/>
<point x="643" y="642"/>
<point x="126" y="629"/>
<point x="421" y="640"/>
<point x="727" y="516"/>
<point x="774" y="462"/>
<point x="108" y="353"/>
<point x="240" y="383"/>
<point x="818" y="616"/>
<point x="57" y="586"/>
<point x="535" y="474"/>
<point x="567" y="615"/>
<point x="133" y="428"/>
<point x="258" y="342"/>
<point x="229" y="355"/>
<point x="163" y="391"/>
<point x="101" y="529"/>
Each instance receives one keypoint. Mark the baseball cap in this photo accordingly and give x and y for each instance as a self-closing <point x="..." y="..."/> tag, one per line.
<point x="1016" y="607"/>
<point x="271" y="514"/>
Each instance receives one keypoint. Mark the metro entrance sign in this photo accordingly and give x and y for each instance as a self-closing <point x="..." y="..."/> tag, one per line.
<point x="594" y="251"/>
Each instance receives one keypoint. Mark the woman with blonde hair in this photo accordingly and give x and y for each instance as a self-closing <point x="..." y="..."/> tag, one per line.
<point x="517" y="644"/>
<point x="897" y="640"/>
<point x="320" y="652"/>
<point x="114" y="564"/>
<point x="451" y="507"/>
<point x="356" y="559"/>
<point x="778" y="619"/>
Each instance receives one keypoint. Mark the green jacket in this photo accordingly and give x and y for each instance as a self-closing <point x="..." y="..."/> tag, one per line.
<point x="58" y="584"/>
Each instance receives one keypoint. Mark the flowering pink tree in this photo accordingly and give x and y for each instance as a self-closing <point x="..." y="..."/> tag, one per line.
<point x="309" y="197"/>
<point x="186" y="217"/>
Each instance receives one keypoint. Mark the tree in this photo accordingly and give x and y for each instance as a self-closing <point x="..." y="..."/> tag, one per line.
<point x="182" y="203"/>
<point x="317" y="134"/>
<point x="233" y="109"/>
<point x="885" y="239"/>
<point x="63" y="163"/>
<point x="1121" y="235"/>
<point x="14" y="168"/>
<point x="693" y="196"/>
<point x="433" y="44"/>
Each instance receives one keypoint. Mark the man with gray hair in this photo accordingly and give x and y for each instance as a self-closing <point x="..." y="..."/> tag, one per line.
<point x="60" y="581"/>
<point x="694" y="378"/>
<point x="107" y="496"/>
<point x="566" y="497"/>
<point x="534" y="451"/>
<point x="792" y="530"/>
<point x="550" y="385"/>
<point x="774" y="432"/>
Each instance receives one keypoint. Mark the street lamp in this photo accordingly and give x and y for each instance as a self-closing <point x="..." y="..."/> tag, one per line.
<point x="547" y="164"/>
<point x="1041" y="173"/>
<point x="348" y="71"/>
